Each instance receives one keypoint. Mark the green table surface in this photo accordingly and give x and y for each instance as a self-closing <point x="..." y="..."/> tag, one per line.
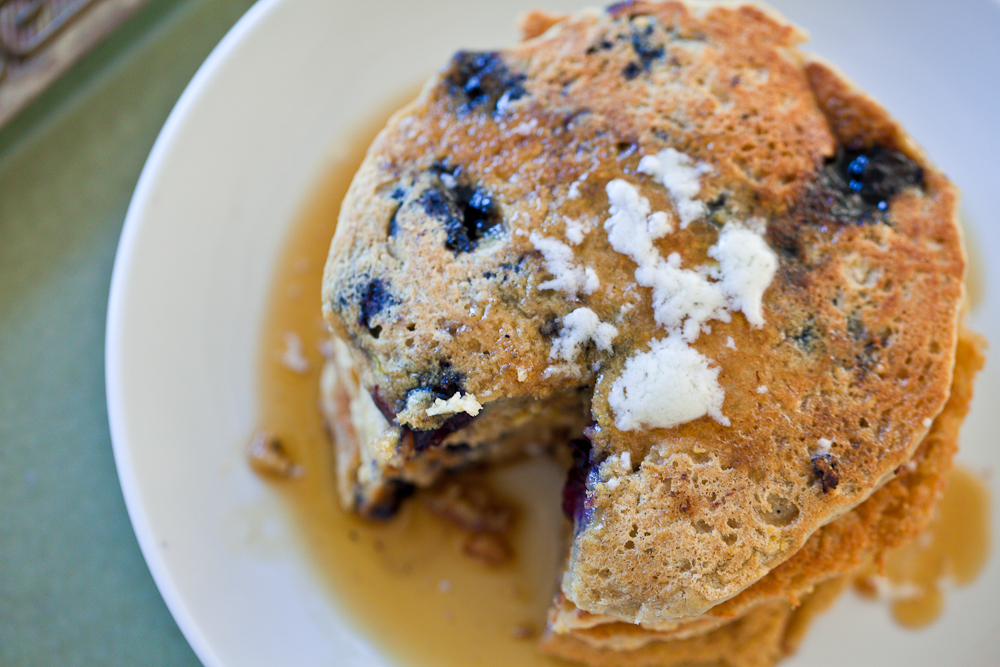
<point x="74" y="589"/>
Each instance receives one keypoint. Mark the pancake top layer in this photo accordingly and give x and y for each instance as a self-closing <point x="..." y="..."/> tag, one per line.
<point x="754" y="269"/>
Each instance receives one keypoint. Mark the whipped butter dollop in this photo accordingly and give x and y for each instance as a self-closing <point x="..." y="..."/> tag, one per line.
<point x="669" y="384"/>
<point x="458" y="403"/>
<point x="578" y="327"/>
<point x="680" y="175"/>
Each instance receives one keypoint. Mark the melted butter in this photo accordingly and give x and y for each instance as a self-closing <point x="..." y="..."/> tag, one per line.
<point x="954" y="547"/>
<point x="405" y="583"/>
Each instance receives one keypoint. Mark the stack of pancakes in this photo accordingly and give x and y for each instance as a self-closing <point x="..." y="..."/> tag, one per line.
<point x="660" y="235"/>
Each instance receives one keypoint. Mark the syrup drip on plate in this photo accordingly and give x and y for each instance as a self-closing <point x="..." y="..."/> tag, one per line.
<point x="952" y="550"/>
<point x="975" y="276"/>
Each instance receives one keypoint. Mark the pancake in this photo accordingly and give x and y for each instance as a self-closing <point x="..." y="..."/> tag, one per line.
<point x="759" y="638"/>
<point x="892" y="516"/>
<point x="745" y="267"/>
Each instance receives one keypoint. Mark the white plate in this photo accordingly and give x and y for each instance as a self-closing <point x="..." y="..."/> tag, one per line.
<point x="266" y="112"/>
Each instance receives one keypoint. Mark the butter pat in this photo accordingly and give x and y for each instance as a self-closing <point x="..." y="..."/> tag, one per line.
<point x="458" y="403"/>
<point x="681" y="177"/>
<point x="568" y="277"/>
<point x="577" y="328"/>
<point x="670" y="384"/>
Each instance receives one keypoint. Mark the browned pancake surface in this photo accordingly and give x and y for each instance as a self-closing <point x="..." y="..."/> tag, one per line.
<point x="435" y="283"/>
<point x="891" y="516"/>
<point x="758" y="638"/>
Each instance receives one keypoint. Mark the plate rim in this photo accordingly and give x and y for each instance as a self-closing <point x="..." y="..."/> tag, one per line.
<point x="113" y="368"/>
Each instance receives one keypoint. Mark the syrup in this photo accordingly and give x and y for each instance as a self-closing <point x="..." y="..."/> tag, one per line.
<point x="952" y="549"/>
<point x="406" y="583"/>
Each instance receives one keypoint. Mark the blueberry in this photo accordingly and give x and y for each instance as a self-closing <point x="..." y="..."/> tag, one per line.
<point x="466" y="212"/>
<point x="858" y="166"/>
<point x="617" y="7"/>
<point x="645" y="48"/>
<point x="398" y="195"/>
<point x="857" y="186"/>
<point x="825" y="467"/>
<point x="373" y="298"/>
<point x="443" y="382"/>
<point x="631" y="71"/>
<point x="575" y="489"/>
<point x="482" y="81"/>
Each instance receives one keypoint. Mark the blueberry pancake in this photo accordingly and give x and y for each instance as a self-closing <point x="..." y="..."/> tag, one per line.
<point x="661" y="236"/>
<point x="891" y="516"/>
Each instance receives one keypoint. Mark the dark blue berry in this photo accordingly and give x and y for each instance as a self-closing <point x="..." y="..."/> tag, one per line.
<point x="858" y="166"/>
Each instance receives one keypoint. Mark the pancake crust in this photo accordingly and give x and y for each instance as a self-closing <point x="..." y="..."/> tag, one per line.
<point x="443" y="280"/>
<point x="759" y="638"/>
